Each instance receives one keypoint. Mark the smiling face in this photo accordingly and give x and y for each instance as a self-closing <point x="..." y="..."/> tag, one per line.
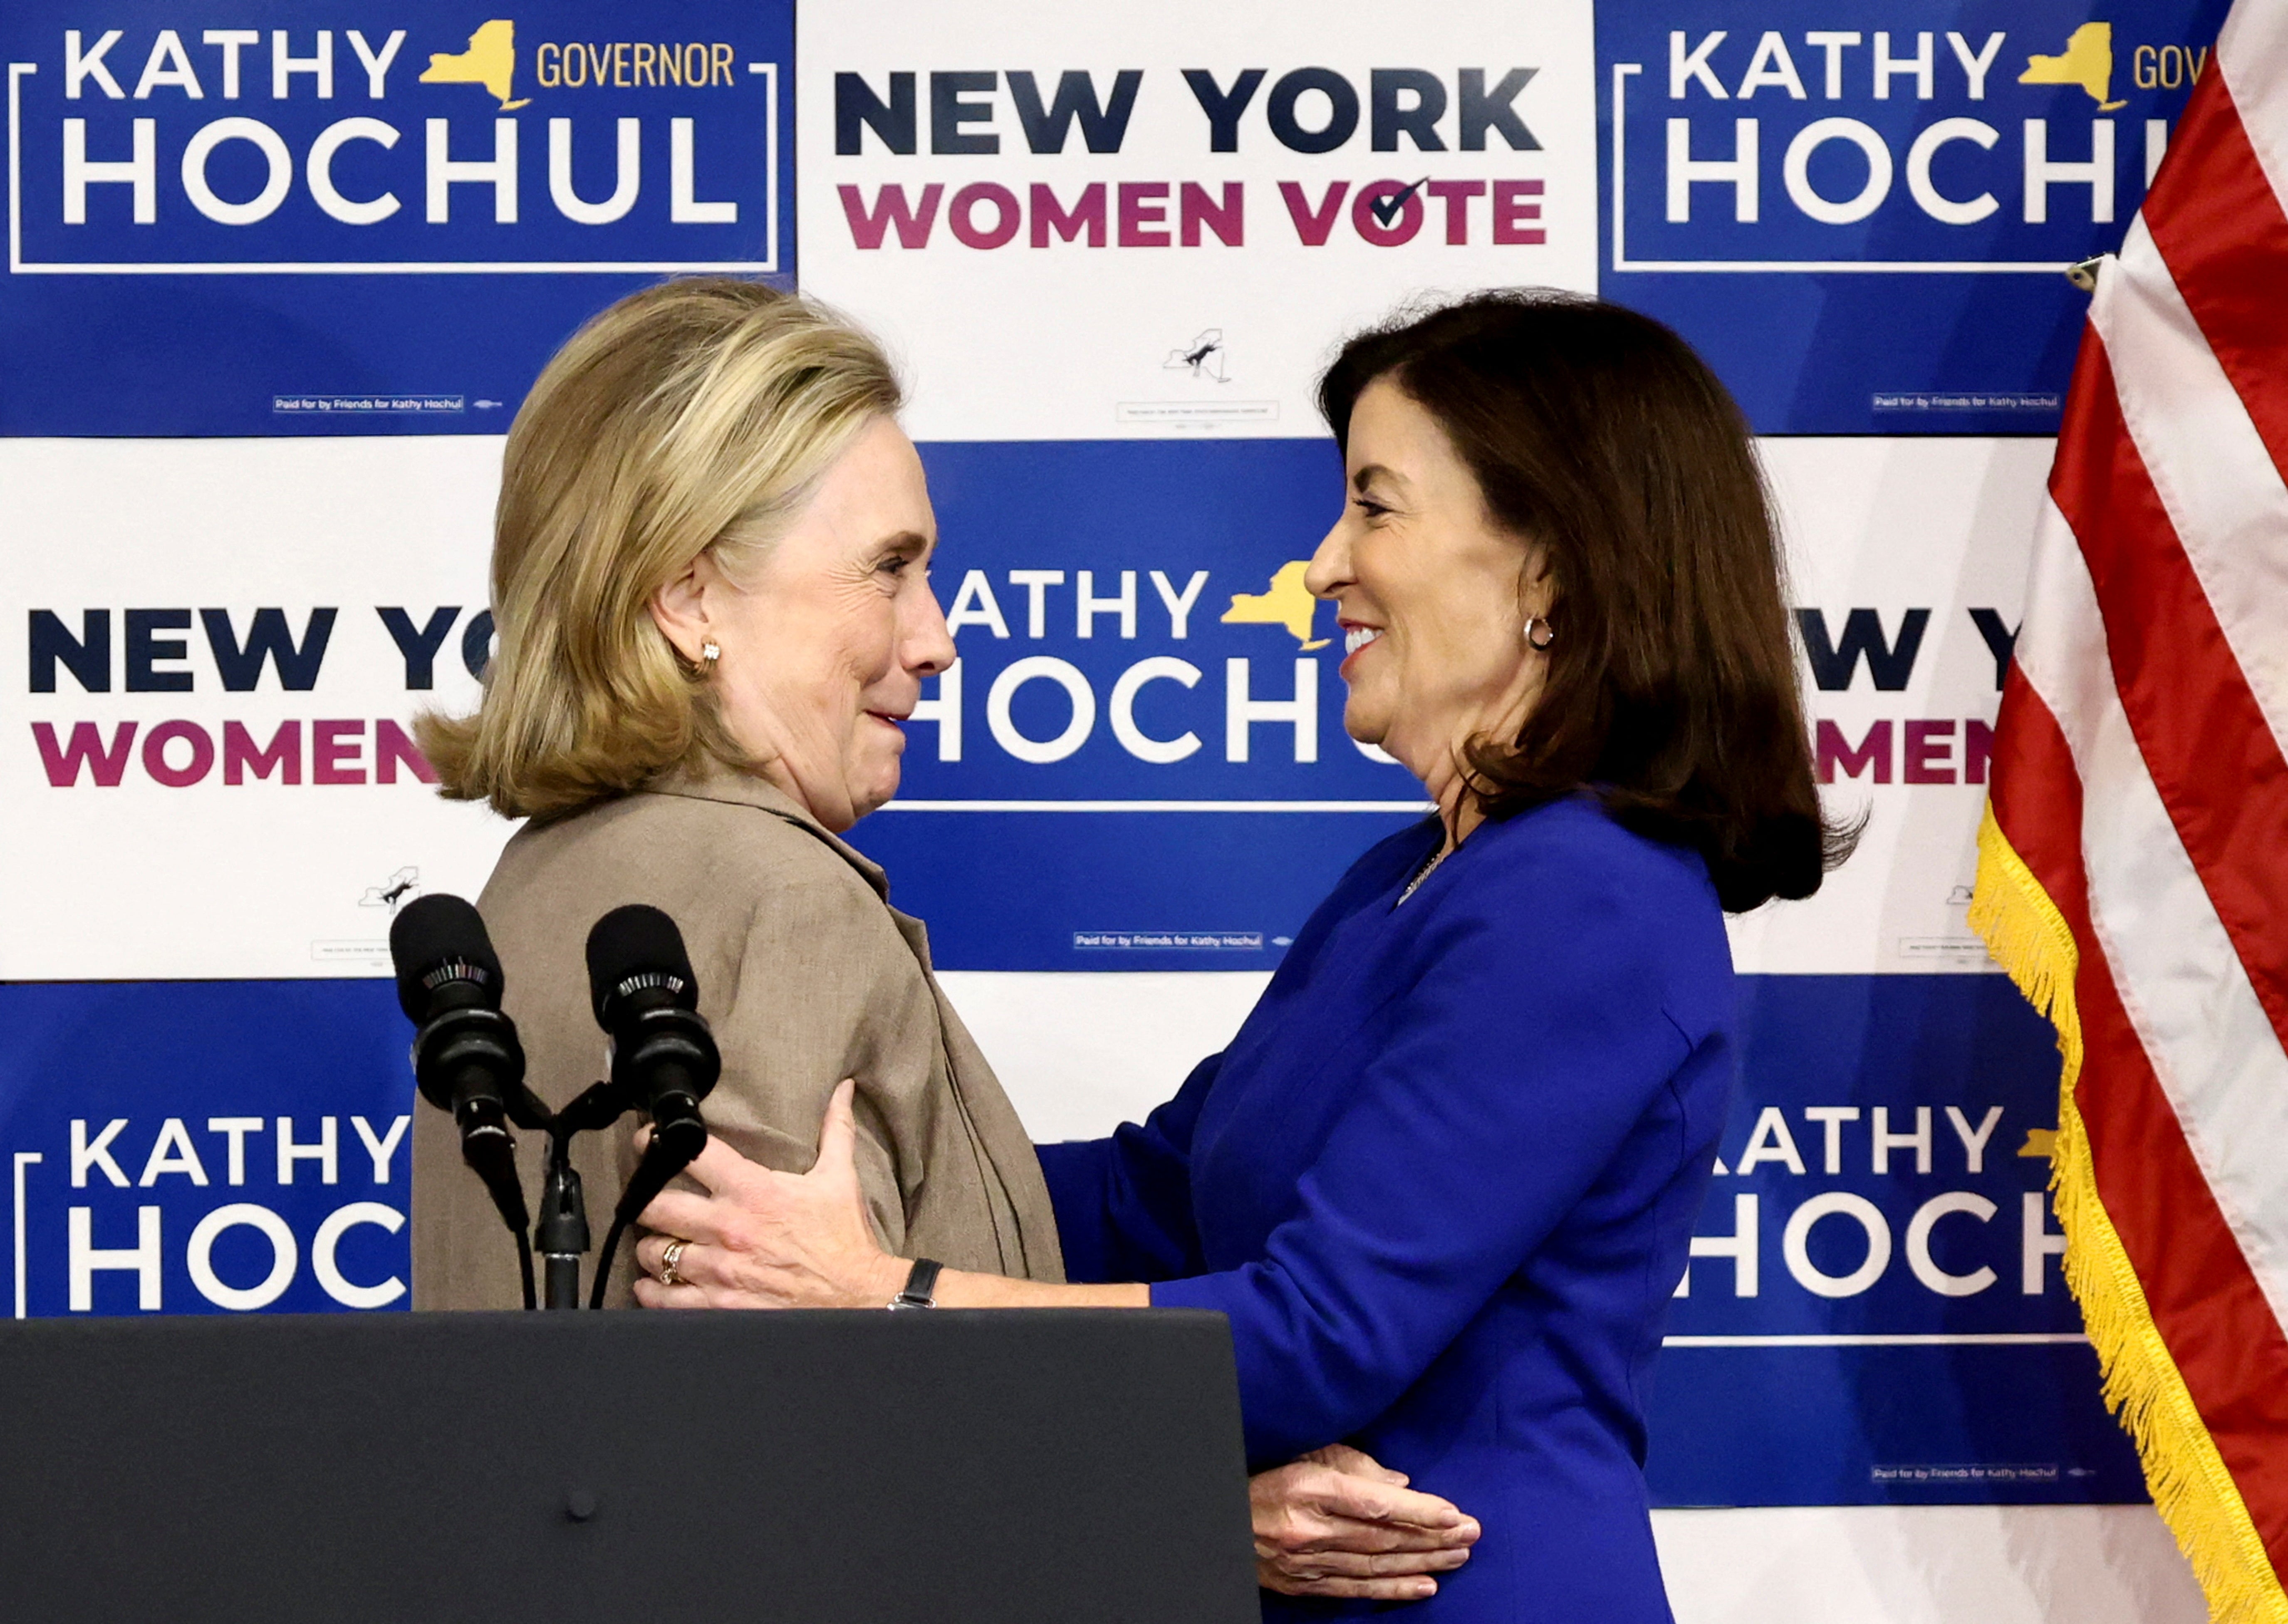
<point x="1431" y="593"/>
<point x="825" y="644"/>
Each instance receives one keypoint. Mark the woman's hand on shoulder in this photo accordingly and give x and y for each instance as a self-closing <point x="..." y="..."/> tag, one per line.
<point x="1338" y="1523"/>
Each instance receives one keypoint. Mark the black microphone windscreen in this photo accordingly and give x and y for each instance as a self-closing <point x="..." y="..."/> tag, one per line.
<point x="640" y="945"/>
<point x="434" y="932"/>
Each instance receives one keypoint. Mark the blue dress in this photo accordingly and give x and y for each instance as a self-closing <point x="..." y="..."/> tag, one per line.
<point x="1443" y="1183"/>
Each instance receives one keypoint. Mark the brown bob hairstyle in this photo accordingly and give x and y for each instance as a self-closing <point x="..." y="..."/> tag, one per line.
<point x="1670" y="690"/>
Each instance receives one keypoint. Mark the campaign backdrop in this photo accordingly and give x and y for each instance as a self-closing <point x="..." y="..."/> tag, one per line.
<point x="279" y="277"/>
<point x="283" y="219"/>
<point x="1859" y="218"/>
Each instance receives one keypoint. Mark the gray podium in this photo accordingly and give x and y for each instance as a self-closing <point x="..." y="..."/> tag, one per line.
<point x="799" y="1467"/>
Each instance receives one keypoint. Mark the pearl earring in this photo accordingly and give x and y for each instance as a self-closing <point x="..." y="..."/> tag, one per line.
<point x="708" y="653"/>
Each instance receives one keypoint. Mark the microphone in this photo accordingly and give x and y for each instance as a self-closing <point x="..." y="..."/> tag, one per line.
<point x="646" y="997"/>
<point x="663" y="1056"/>
<point x="466" y="1059"/>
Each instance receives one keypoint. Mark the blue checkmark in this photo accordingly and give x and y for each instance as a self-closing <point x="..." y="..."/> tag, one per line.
<point x="1386" y="209"/>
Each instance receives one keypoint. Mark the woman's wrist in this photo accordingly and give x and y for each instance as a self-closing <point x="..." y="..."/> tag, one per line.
<point x="885" y="1277"/>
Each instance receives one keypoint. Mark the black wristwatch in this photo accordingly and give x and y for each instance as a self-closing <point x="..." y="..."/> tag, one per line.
<point x="921" y="1281"/>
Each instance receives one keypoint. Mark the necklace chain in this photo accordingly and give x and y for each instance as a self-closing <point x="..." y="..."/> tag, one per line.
<point x="1423" y="873"/>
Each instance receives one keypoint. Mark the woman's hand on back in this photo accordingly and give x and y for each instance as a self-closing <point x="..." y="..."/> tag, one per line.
<point x="1338" y="1523"/>
<point x="763" y="1240"/>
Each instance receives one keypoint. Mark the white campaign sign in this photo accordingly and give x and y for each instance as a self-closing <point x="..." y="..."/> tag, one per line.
<point x="1165" y="287"/>
<point x="259" y="832"/>
<point x="1940" y="525"/>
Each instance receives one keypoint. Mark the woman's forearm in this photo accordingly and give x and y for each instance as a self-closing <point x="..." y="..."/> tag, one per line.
<point x="757" y="1238"/>
<point x="957" y="1288"/>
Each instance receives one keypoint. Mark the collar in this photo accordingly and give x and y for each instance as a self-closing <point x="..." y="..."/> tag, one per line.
<point x="715" y="782"/>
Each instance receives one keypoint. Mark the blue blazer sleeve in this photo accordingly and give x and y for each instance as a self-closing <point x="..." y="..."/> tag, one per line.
<point x="1123" y="1204"/>
<point x="1531" y="1042"/>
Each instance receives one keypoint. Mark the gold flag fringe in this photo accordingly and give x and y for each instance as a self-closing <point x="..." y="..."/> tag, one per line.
<point x="2190" y="1486"/>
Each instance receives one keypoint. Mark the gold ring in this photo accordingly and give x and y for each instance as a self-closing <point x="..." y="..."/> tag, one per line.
<point x="668" y="1260"/>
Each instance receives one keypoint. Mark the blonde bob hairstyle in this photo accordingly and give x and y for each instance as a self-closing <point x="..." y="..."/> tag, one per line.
<point x="692" y="417"/>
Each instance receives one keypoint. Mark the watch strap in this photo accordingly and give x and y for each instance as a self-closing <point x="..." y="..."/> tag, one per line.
<point x="921" y="1285"/>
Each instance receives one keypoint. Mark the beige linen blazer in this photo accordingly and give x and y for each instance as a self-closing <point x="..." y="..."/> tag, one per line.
<point x="806" y="975"/>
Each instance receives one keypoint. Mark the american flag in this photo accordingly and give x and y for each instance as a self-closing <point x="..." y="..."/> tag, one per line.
<point x="2134" y="859"/>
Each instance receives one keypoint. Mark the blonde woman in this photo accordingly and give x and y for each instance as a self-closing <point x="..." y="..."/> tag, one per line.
<point x="709" y="574"/>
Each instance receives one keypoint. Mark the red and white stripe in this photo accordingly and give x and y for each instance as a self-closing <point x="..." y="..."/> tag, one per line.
<point x="2143" y="754"/>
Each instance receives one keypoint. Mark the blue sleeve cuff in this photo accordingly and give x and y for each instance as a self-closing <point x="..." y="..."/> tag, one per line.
<point x="1198" y="1292"/>
<point x="1076" y="1172"/>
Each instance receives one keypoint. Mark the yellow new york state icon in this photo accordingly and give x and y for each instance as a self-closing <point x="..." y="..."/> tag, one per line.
<point x="490" y="60"/>
<point x="1288" y="603"/>
<point x="2088" y="60"/>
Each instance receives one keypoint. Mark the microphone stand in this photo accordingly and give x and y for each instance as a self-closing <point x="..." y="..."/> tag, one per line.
<point x="562" y="1236"/>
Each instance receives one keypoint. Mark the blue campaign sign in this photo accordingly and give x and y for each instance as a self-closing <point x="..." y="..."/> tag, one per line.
<point x="207" y="1147"/>
<point x="1887" y="1325"/>
<point x="1874" y="1311"/>
<point x="1139" y="761"/>
<point x="218" y="225"/>
<point x="1861" y="220"/>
